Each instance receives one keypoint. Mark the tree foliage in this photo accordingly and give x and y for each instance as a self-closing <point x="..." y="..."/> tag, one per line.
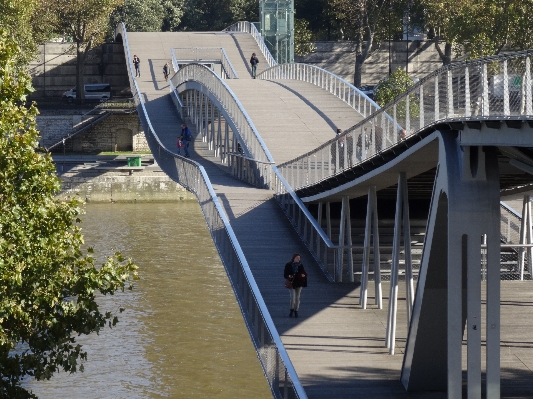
<point x="302" y="38"/>
<point x="393" y="86"/>
<point x="47" y="284"/>
<point x="148" y="15"/>
<point x="86" y="21"/>
<point x="213" y="15"/>
<point x="478" y="28"/>
<point x="28" y="22"/>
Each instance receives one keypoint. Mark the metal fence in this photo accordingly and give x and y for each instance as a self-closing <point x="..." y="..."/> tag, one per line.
<point x="490" y="88"/>
<point x="248" y="27"/>
<point x="273" y="357"/>
<point x="326" y="80"/>
<point x="205" y="55"/>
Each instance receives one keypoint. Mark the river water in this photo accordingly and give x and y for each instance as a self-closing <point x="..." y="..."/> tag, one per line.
<point x="181" y="334"/>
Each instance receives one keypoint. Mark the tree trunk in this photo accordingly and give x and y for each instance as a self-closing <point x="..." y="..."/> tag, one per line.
<point x="446" y="56"/>
<point x="358" y="71"/>
<point x="80" y="61"/>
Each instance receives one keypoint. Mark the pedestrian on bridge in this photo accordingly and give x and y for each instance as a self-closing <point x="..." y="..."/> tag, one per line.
<point x="137" y="65"/>
<point x="253" y="62"/>
<point x="186" y="139"/>
<point x="296" y="274"/>
<point x="166" y="70"/>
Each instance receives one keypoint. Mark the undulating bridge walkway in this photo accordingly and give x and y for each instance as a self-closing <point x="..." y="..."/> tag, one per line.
<point x="337" y="349"/>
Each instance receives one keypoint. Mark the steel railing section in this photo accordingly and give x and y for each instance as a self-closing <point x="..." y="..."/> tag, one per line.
<point x="491" y="88"/>
<point x="254" y="172"/>
<point x="510" y="223"/>
<point x="245" y="128"/>
<point x="205" y="55"/>
<point x="248" y="27"/>
<point x="329" y="256"/>
<point x="273" y="357"/>
<point x="326" y="80"/>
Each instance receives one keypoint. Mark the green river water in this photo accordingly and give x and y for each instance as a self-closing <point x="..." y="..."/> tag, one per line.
<point x="182" y="334"/>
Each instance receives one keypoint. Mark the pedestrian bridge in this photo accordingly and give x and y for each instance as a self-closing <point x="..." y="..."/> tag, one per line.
<point x="417" y="272"/>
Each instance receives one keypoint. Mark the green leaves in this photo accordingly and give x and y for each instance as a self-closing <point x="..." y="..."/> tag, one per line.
<point x="47" y="285"/>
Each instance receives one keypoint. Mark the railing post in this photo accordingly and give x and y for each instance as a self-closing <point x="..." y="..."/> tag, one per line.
<point x="437" y="101"/>
<point x="485" y="109"/>
<point x="449" y="79"/>
<point x="468" y="110"/>
<point x="506" y="110"/>
<point x="328" y="229"/>
<point x="528" y="95"/>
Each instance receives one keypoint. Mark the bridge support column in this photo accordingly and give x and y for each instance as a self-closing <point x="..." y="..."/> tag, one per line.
<point x="464" y="207"/>
<point x="328" y="230"/>
<point x="401" y="221"/>
<point x="526" y="235"/>
<point x="345" y="235"/>
<point x="371" y="233"/>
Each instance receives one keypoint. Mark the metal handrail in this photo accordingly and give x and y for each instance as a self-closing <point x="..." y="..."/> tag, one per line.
<point x="205" y="54"/>
<point x="248" y="27"/>
<point x="328" y="81"/>
<point x="281" y="375"/>
<point x="230" y="105"/>
<point x="495" y="87"/>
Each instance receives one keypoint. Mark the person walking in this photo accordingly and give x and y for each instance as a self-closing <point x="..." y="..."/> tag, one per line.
<point x="166" y="70"/>
<point x="137" y="65"/>
<point x="295" y="273"/>
<point x="253" y="62"/>
<point x="186" y="138"/>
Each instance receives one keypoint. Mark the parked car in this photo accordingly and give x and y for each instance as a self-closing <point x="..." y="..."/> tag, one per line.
<point x="99" y="91"/>
<point x="368" y="90"/>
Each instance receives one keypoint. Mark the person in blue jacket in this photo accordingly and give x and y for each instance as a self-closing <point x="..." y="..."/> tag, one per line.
<point x="186" y="139"/>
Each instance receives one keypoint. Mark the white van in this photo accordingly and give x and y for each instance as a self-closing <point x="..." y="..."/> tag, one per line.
<point x="99" y="91"/>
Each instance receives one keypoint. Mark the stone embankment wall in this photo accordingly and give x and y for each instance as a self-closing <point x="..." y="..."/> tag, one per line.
<point x="339" y="58"/>
<point x="113" y="186"/>
<point x="118" y="132"/>
<point x="54" y="70"/>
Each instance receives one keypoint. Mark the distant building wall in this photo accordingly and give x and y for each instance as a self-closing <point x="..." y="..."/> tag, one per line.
<point x="339" y="58"/>
<point x="54" y="70"/>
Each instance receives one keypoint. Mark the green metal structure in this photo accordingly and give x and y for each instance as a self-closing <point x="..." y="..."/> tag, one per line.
<point x="277" y="28"/>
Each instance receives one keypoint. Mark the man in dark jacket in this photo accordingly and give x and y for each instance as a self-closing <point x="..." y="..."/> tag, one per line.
<point x="296" y="274"/>
<point x="253" y="62"/>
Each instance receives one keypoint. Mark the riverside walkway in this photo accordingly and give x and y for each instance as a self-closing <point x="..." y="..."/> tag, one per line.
<point x="337" y="348"/>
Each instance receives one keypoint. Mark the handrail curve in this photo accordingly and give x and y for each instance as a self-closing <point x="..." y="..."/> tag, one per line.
<point x="235" y="112"/>
<point x="498" y="87"/>
<point x="327" y="80"/>
<point x="281" y="375"/>
<point x="248" y="27"/>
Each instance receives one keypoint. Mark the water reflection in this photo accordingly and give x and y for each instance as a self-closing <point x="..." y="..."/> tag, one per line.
<point x="182" y="334"/>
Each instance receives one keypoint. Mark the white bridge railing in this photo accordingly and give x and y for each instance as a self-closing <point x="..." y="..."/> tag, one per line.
<point x="492" y="88"/>
<point x="326" y="80"/>
<point x="248" y="27"/>
<point x="205" y="55"/>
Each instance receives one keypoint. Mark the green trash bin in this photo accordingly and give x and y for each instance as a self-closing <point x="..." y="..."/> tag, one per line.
<point x="134" y="161"/>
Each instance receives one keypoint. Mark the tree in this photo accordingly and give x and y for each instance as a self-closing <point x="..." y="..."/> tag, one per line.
<point x="302" y="38"/>
<point x="47" y="284"/>
<point x="478" y="28"/>
<point x="391" y="87"/>
<point x="147" y="15"/>
<point x="86" y="22"/>
<point x="212" y="15"/>
<point x="28" y="23"/>
<point x="364" y="18"/>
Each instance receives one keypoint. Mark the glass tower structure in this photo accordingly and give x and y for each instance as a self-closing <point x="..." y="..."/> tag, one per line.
<point x="277" y="28"/>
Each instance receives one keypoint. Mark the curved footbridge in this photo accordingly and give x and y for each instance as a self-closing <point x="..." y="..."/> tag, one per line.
<point x="272" y="179"/>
